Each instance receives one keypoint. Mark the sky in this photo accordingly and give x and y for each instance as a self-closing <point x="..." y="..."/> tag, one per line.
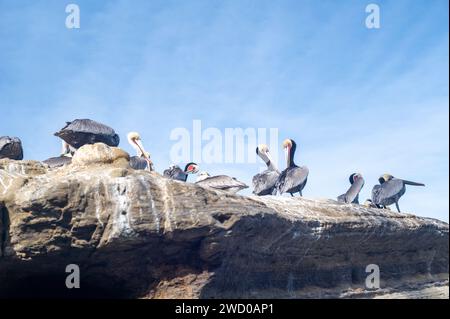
<point x="354" y="99"/>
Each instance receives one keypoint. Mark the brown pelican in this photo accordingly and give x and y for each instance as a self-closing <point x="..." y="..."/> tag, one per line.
<point x="142" y="160"/>
<point x="390" y="190"/>
<point x="81" y="132"/>
<point x="264" y="183"/>
<point x="293" y="179"/>
<point x="59" y="161"/>
<point x="352" y="195"/>
<point x="11" y="147"/>
<point x="220" y="182"/>
<point x="64" y="159"/>
<point x="175" y="172"/>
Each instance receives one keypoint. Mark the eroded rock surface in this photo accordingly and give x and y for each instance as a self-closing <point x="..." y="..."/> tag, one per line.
<point x="135" y="234"/>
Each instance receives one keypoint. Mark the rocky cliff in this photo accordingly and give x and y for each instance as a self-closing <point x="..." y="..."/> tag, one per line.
<point x="135" y="234"/>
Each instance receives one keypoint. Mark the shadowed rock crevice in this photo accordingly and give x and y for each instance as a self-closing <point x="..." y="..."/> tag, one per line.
<point x="135" y="234"/>
<point x="4" y="229"/>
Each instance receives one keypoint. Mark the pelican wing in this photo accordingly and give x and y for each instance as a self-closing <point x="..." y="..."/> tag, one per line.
<point x="264" y="183"/>
<point x="291" y="178"/>
<point x="175" y="172"/>
<point x="59" y="161"/>
<point x="11" y="147"/>
<point x="387" y="190"/>
<point x="84" y="131"/>
<point x="222" y="182"/>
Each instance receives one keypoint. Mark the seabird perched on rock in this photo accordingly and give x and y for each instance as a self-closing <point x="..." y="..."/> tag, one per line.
<point x="84" y="131"/>
<point x="352" y="195"/>
<point x="220" y="182"/>
<point x="142" y="160"/>
<point x="264" y="183"/>
<point x="294" y="178"/>
<point x="175" y="172"/>
<point x="11" y="147"/>
<point x="64" y="159"/>
<point x="390" y="190"/>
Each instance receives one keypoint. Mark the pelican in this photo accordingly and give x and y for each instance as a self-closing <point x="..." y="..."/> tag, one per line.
<point x="59" y="161"/>
<point x="175" y="172"/>
<point x="11" y="147"/>
<point x="352" y="195"/>
<point x="264" y="183"/>
<point x="220" y="182"/>
<point x="293" y="179"/>
<point x="84" y="131"/>
<point x="390" y="190"/>
<point x="64" y="159"/>
<point x="142" y="160"/>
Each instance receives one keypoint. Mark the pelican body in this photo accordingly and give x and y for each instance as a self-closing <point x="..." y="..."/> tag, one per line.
<point x="176" y="173"/>
<point x="11" y="147"/>
<point x="84" y="131"/>
<point x="352" y="195"/>
<point x="390" y="190"/>
<point x="220" y="182"/>
<point x="264" y="183"/>
<point x="294" y="178"/>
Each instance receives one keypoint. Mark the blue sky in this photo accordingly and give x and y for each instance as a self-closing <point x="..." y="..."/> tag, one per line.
<point x="354" y="99"/>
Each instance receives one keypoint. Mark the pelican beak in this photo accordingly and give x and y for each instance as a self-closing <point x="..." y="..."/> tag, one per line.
<point x="287" y="151"/>
<point x="412" y="183"/>
<point x="269" y="156"/>
<point x="194" y="170"/>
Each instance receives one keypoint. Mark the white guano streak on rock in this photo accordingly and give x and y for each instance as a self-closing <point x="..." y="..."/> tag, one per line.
<point x="152" y="203"/>
<point x="15" y="168"/>
<point x="168" y="209"/>
<point x="3" y="176"/>
<point x="121" y="225"/>
<point x="9" y="173"/>
<point x="98" y="202"/>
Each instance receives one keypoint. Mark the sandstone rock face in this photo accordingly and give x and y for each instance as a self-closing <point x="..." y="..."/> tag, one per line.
<point x="135" y="234"/>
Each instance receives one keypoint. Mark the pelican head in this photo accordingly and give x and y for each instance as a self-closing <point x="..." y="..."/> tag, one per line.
<point x="385" y="178"/>
<point x="191" y="168"/>
<point x="354" y="177"/>
<point x="202" y="176"/>
<point x="368" y="203"/>
<point x="289" y="147"/>
<point x="287" y="143"/>
<point x="135" y="140"/>
<point x="262" y="149"/>
<point x="133" y="136"/>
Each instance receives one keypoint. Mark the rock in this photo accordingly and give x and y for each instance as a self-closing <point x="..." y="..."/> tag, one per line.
<point x="99" y="153"/>
<point x="136" y="234"/>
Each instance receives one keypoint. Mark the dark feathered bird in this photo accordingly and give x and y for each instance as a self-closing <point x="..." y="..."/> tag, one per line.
<point x="11" y="147"/>
<point x="352" y="195"/>
<point x="176" y="173"/>
<point x="264" y="183"/>
<point x="294" y="178"/>
<point x="84" y="131"/>
<point x="390" y="190"/>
